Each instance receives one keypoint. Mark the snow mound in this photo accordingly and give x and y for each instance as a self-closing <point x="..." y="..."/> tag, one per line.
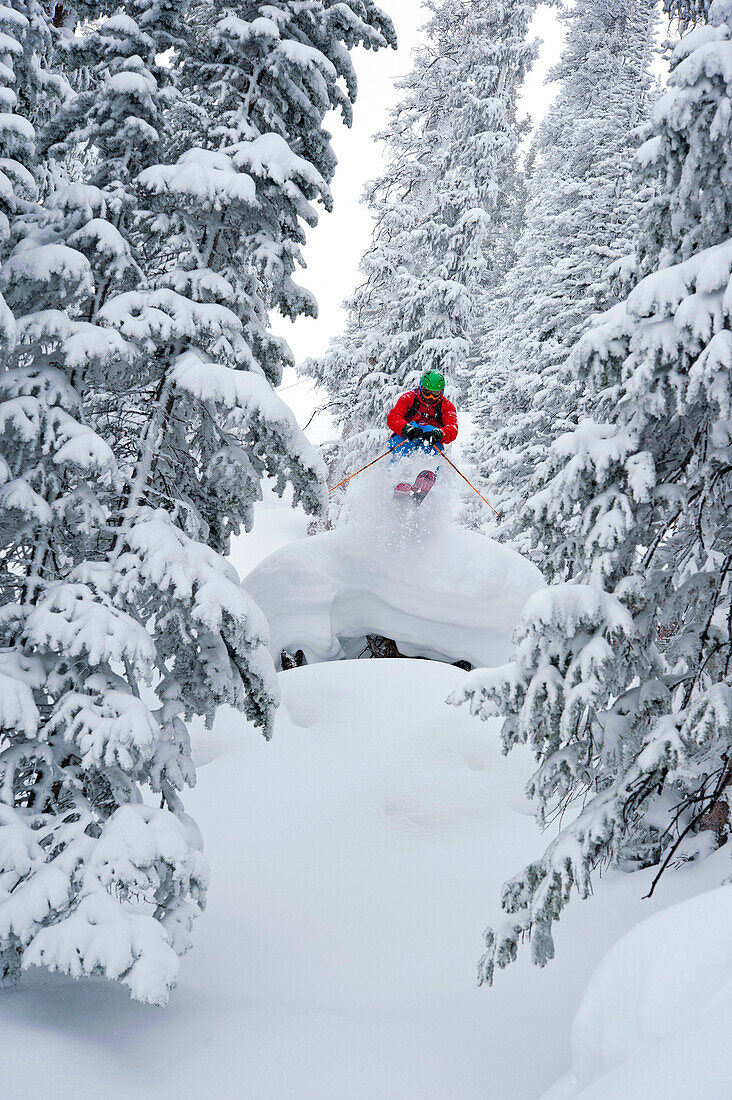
<point x="412" y="575"/>
<point x="656" y="1017"/>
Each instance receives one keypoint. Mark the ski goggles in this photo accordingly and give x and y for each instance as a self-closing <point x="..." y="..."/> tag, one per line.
<point x="431" y="396"/>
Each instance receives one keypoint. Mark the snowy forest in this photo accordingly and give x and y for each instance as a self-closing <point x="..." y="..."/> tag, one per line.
<point x="366" y="591"/>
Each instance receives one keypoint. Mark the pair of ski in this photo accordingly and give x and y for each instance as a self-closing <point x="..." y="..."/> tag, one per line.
<point x="417" y="492"/>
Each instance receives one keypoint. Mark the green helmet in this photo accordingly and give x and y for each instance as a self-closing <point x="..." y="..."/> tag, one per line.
<point x="432" y="382"/>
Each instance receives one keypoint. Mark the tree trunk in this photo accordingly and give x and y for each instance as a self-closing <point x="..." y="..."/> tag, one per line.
<point x="10" y="966"/>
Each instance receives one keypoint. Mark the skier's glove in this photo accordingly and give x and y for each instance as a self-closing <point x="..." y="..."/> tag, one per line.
<point x="411" y="431"/>
<point x="434" y="437"/>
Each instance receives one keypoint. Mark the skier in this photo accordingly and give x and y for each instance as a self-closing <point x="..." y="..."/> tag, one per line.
<point x="427" y="420"/>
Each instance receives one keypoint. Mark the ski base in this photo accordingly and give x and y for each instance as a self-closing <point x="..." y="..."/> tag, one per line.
<point x="423" y="482"/>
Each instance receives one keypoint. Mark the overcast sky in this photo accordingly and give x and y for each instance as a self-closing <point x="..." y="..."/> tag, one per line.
<point x="336" y="246"/>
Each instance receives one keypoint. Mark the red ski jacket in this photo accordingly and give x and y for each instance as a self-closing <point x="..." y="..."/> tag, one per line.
<point x="411" y="409"/>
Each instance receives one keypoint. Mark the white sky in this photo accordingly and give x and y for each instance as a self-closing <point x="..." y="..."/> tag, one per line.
<point x="335" y="248"/>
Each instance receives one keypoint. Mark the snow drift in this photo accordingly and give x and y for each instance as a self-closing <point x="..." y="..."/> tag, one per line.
<point x="393" y="570"/>
<point x="657" y="1014"/>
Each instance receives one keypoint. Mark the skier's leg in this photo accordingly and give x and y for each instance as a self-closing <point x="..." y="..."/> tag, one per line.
<point x="402" y="491"/>
<point x="401" y="448"/>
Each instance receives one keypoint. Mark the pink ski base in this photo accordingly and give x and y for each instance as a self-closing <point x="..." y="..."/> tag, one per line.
<point x="423" y="482"/>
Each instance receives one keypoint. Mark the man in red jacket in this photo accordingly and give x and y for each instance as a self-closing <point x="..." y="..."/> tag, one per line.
<point x="426" y="419"/>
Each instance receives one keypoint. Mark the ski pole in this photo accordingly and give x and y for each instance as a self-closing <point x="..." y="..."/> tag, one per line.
<point x="462" y="475"/>
<point x="391" y="451"/>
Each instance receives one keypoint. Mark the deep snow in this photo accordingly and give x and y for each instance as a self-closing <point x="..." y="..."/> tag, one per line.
<point x="355" y="860"/>
<point x="412" y="575"/>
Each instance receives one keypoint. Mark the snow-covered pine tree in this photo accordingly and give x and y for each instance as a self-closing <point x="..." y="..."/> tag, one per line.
<point x="221" y="229"/>
<point x="94" y="881"/>
<point x="228" y="220"/>
<point x="443" y="215"/>
<point x="621" y="682"/>
<point x="580" y="225"/>
<point x="229" y="217"/>
<point x="138" y="425"/>
<point x="273" y="71"/>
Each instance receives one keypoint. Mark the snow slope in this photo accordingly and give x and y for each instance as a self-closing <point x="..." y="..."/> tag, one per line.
<point x="408" y="574"/>
<point x="355" y="861"/>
